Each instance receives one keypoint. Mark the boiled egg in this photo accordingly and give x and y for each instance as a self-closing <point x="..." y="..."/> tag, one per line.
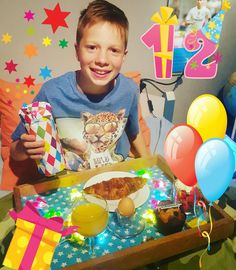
<point x="126" y="207"/>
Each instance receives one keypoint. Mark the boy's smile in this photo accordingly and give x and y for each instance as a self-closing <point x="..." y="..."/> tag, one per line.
<point x="101" y="52"/>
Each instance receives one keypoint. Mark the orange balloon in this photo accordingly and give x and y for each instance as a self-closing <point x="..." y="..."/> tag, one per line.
<point x="180" y="149"/>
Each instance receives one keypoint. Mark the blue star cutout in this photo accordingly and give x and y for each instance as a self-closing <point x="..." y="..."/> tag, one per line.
<point x="45" y="72"/>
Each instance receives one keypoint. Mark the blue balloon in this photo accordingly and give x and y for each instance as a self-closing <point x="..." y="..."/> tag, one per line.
<point x="229" y="97"/>
<point x="214" y="167"/>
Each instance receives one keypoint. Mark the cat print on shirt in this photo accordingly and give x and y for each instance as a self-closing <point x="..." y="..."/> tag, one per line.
<point x="100" y="134"/>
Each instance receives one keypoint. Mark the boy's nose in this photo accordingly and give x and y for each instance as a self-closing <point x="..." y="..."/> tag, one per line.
<point x="101" y="58"/>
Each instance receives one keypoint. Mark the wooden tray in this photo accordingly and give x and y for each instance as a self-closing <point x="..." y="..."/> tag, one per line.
<point x="145" y="253"/>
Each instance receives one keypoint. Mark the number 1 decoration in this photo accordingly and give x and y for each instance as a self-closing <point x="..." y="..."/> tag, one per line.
<point x="204" y="42"/>
<point x="160" y="36"/>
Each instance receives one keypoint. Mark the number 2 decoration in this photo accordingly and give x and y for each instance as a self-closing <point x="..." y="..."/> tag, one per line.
<point x="204" y="42"/>
<point x="195" y="67"/>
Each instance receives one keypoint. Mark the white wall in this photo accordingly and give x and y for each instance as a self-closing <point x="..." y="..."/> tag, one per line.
<point x="139" y="57"/>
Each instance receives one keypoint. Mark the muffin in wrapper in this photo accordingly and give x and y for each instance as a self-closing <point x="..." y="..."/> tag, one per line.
<point x="38" y="120"/>
<point x="170" y="218"/>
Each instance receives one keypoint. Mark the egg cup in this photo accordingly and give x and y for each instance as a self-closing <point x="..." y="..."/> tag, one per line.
<point x="126" y="227"/>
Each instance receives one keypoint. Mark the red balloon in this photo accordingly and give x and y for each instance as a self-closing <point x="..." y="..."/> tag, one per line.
<point x="180" y="149"/>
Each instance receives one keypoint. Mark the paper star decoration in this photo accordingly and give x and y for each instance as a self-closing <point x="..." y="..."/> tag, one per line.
<point x="217" y="57"/>
<point x="226" y="5"/>
<point x="9" y="102"/>
<point x="30" y="31"/>
<point x="47" y="41"/>
<point x="31" y="50"/>
<point x="56" y="17"/>
<point x="6" y="38"/>
<point x="45" y="72"/>
<point x="29" y="15"/>
<point x="194" y="65"/>
<point x="10" y="66"/>
<point x="29" y="81"/>
<point x="63" y="43"/>
<point x="212" y="25"/>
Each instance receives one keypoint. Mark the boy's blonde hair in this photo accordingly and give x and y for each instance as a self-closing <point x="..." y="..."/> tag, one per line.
<point x="99" y="11"/>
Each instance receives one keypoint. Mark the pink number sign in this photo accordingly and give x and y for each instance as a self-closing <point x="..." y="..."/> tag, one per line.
<point x="195" y="68"/>
<point x="161" y="38"/>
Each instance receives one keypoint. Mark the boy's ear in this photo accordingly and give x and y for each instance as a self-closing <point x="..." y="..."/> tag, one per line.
<point x="126" y="51"/>
<point x="76" y="50"/>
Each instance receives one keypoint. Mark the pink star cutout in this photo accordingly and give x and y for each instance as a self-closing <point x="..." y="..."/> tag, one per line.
<point x="10" y="66"/>
<point x="56" y="17"/>
<point x="29" y="15"/>
<point x="217" y="57"/>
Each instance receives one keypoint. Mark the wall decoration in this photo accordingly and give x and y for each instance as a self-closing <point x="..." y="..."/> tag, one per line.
<point x="45" y="72"/>
<point x="29" y="15"/>
<point x="10" y="66"/>
<point x="160" y="37"/>
<point x="29" y="81"/>
<point x="56" y="17"/>
<point x="196" y="54"/>
<point x="47" y="41"/>
<point x="6" y="38"/>
<point x="205" y="43"/>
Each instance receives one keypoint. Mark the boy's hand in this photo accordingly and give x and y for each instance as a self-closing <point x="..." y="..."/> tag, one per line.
<point x="33" y="149"/>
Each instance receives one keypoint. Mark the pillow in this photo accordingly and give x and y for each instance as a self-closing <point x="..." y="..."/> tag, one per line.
<point x="13" y="95"/>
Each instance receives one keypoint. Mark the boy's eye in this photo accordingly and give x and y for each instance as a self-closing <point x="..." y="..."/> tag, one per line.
<point x="115" y="50"/>
<point x="91" y="47"/>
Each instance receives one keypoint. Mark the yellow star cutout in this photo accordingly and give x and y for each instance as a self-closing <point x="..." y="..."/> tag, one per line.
<point x="211" y="25"/>
<point x="222" y="16"/>
<point x="208" y="35"/>
<point x="6" y="38"/>
<point x="46" y="41"/>
<point x="226" y="5"/>
<point x="217" y="36"/>
<point x="31" y="50"/>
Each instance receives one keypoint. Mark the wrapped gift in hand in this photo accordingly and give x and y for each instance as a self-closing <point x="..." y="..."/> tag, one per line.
<point x="38" y="120"/>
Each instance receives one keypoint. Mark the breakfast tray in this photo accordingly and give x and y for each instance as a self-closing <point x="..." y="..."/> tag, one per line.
<point x="139" y="254"/>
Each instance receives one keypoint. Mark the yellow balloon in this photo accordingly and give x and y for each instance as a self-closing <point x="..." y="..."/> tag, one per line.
<point x="208" y="116"/>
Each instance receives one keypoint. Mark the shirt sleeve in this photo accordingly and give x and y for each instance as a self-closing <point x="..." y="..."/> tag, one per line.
<point x="208" y="13"/>
<point x="132" y="127"/>
<point x="189" y="15"/>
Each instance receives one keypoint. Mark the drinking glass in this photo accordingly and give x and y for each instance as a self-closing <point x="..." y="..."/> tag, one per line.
<point x="90" y="213"/>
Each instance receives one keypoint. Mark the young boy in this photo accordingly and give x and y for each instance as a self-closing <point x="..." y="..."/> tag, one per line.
<point x="197" y="16"/>
<point x="96" y="107"/>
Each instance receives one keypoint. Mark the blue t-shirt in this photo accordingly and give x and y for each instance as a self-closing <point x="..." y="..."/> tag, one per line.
<point x="93" y="129"/>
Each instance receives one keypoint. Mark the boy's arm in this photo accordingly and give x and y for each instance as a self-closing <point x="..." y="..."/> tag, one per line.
<point x="138" y="146"/>
<point x="26" y="147"/>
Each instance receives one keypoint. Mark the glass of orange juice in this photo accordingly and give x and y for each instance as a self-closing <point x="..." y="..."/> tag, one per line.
<point x="90" y="213"/>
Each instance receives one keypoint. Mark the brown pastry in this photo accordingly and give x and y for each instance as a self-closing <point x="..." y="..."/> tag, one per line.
<point x="116" y="188"/>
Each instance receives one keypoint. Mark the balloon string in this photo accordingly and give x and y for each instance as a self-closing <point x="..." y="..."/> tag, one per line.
<point x="205" y="234"/>
<point x="194" y="203"/>
<point x="200" y="218"/>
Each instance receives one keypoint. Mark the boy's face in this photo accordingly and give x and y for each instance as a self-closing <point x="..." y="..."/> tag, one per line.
<point x="199" y="3"/>
<point x="101" y="52"/>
